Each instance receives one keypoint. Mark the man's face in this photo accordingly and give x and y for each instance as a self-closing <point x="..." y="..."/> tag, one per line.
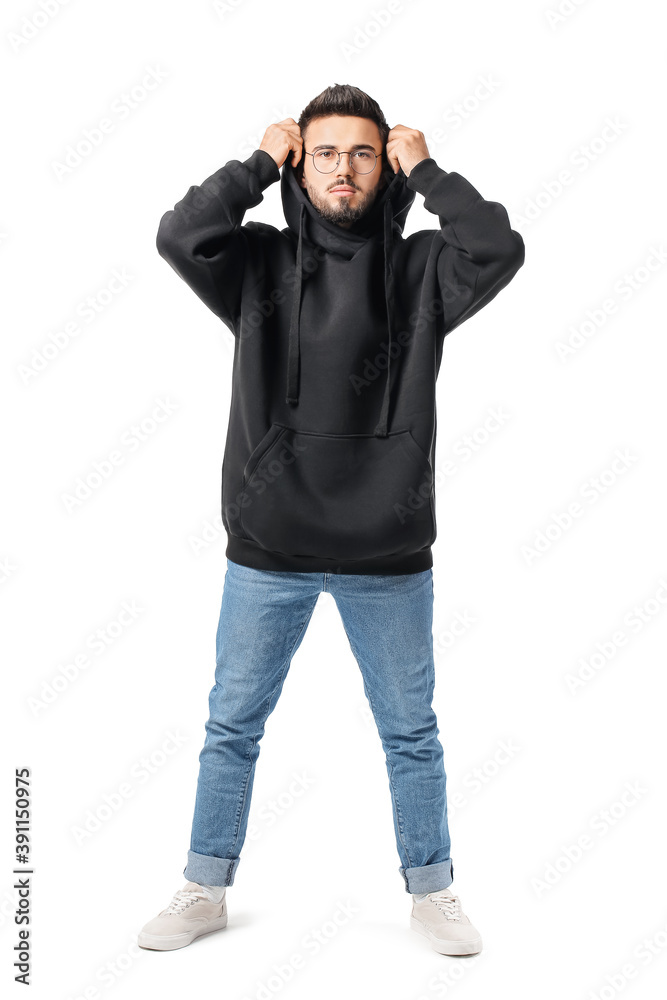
<point x="342" y="132"/>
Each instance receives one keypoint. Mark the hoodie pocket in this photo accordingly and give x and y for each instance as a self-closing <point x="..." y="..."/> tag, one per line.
<point x="342" y="496"/>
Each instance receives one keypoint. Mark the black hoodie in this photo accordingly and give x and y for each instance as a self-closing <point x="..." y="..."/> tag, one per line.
<point x="329" y="458"/>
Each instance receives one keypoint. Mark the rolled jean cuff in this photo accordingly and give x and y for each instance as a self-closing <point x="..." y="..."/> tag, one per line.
<point x="428" y="878"/>
<point x="206" y="870"/>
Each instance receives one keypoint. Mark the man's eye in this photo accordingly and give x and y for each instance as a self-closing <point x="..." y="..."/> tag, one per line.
<point x="325" y="154"/>
<point x="363" y="155"/>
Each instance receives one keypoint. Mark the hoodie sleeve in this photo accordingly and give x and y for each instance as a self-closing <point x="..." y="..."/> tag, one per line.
<point x="202" y="237"/>
<point x="479" y="252"/>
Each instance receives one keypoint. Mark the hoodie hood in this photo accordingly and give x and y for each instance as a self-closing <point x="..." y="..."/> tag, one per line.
<point x="382" y="222"/>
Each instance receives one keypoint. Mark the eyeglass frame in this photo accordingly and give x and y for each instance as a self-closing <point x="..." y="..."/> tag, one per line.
<point x="350" y="153"/>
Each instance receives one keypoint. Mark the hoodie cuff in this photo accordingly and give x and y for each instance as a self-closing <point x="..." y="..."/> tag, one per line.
<point x="423" y="175"/>
<point x="264" y="167"/>
<point x="445" y="193"/>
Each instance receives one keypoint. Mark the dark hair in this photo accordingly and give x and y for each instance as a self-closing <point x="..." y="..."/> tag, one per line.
<point x="342" y="99"/>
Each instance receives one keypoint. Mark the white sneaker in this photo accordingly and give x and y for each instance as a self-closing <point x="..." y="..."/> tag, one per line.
<point x="189" y="915"/>
<point x="439" y="917"/>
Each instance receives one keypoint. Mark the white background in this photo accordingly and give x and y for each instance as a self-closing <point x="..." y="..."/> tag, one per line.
<point x="224" y="76"/>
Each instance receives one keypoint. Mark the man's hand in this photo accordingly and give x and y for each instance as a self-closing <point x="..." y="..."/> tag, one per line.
<point x="282" y="137"/>
<point x="406" y="147"/>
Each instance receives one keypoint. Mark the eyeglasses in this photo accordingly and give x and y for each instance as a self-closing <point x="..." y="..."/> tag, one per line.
<point x="326" y="161"/>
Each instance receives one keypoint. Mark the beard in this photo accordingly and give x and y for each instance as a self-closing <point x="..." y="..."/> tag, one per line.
<point x="343" y="211"/>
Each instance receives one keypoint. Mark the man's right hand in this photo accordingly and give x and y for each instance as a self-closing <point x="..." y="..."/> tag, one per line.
<point x="282" y="137"/>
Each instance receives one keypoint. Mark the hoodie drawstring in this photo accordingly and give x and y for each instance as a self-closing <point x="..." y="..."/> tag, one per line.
<point x="294" y="348"/>
<point x="381" y="429"/>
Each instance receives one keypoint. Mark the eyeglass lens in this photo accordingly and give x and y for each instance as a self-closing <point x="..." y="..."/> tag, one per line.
<point x="362" y="160"/>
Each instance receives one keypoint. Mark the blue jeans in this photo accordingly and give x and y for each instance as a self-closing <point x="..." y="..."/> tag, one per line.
<point x="263" y="619"/>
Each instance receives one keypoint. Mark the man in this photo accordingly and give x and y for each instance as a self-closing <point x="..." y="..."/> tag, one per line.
<point x="327" y="477"/>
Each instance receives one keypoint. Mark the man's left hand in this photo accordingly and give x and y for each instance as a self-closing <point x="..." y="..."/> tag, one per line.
<point x="405" y="148"/>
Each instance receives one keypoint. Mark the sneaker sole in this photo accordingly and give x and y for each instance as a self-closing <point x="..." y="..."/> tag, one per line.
<point x="471" y="947"/>
<point x="169" y="942"/>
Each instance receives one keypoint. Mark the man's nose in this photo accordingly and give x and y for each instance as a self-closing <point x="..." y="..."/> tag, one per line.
<point x="341" y="167"/>
<point x="345" y="171"/>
